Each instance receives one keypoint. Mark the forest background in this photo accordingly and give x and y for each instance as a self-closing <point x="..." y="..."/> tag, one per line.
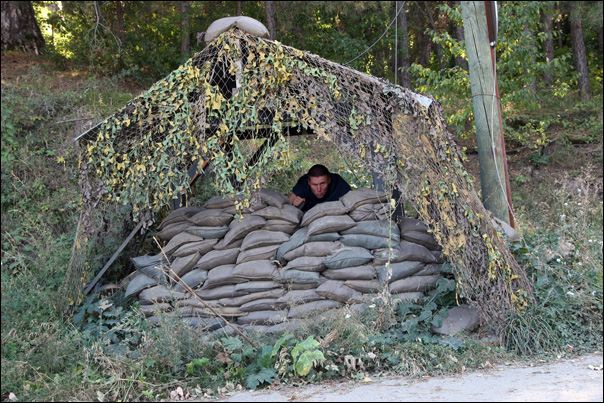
<point x="90" y="58"/>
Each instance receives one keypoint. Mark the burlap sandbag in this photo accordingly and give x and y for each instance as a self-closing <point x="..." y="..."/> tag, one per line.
<point x="263" y="253"/>
<point x="408" y="296"/>
<point x="348" y="257"/>
<point x="219" y="202"/>
<point x="413" y="283"/>
<point x="256" y="270"/>
<point x="222" y="245"/>
<point x="254" y="206"/>
<point x="297" y="276"/>
<point x="430" y="269"/>
<point x="263" y="317"/>
<point x="149" y="260"/>
<point x="207" y="324"/>
<point x="384" y="228"/>
<point x="227" y="312"/>
<point x="280" y="225"/>
<point x="273" y="198"/>
<point x="330" y="224"/>
<point x="159" y="293"/>
<point x="382" y="256"/>
<point x="238" y="229"/>
<point x="244" y="299"/>
<point x="257" y="286"/>
<point x="260" y="238"/>
<point x="417" y="252"/>
<point x="263" y="304"/>
<point x="217" y="258"/>
<point x="337" y="291"/>
<point x="211" y="218"/>
<point x="398" y="271"/>
<point x="333" y="208"/>
<point x="194" y="279"/>
<point x="208" y="232"/>
<point x="306" y="263"/>
<point x="296" y="297"/>
<point x="139" y="283"/>
<point x="364" y="212"/>
<point x="153" y="309"/>
<point x="180" y="215"/>
<point x="201" y="247"/>
<point x="312" y="308"/>
<point x="364" y="272"/>
<point x="179" y="240"/>
<point x="287" y="213"/>
<point x="225" y="291"/>
<point x="171" y="230"/>
<point x="364" y="286"/>
<point x="327" y="237"/>
<point x="219" y="276"/>
<point x="296" y="240"/>
<point x="183" y="265"/>
<point x="421" y="238"/>
<point x="367" y="241"/>
<point x="356" y="198"/>
<point x="407" y="224"/>
<point x="159" y="273"/>
<point x="313" y="249"/>
<point x="247" y="24"/>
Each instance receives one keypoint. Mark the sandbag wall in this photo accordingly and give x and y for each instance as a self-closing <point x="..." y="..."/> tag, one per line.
<point x="276" y="264"/>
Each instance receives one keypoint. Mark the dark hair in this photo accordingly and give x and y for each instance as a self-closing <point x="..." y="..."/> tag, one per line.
<point x="318" y="170"/>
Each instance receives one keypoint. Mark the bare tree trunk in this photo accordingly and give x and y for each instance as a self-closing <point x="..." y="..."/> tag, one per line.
<point x="271" y="25"/>
<point x="20" y="30"/>
<point x="548" y="43"/>
<point x="580" y="59"/>
<point x="404" y="59"/>
<point x="437" y="47"/>
<point x="239" y="8"/>
<point x="459" y="35"/>
<point x="532" y="84"/>
<point x="119" y="12"/>
<point x="185" y="30"/>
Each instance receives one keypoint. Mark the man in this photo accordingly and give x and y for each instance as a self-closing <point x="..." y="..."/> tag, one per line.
<point x="318" y="186"/>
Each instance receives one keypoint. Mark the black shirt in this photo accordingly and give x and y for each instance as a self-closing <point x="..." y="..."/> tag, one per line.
<point x="337" y="188"/>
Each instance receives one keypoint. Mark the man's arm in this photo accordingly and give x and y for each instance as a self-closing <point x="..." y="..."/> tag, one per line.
<point x="296" y="200"/>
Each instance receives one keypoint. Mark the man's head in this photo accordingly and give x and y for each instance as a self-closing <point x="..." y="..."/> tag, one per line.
<point x="319" y="180"/>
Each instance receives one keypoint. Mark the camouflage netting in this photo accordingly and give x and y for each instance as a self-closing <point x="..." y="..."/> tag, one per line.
<point x="219" y="106"/>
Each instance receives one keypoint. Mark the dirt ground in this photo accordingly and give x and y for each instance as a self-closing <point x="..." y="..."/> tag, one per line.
<point x="578" y="379"/>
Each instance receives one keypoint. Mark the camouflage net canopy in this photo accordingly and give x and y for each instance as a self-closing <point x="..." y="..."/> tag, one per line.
<point x="243" y="90"/>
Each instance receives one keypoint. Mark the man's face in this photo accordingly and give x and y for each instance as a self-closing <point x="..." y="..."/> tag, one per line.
<point x="318" y="185"/>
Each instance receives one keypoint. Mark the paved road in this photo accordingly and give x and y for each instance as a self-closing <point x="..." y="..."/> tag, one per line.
<point x="570" y="380"/>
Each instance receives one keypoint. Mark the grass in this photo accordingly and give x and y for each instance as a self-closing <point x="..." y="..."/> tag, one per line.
<point x="105" y="350"/>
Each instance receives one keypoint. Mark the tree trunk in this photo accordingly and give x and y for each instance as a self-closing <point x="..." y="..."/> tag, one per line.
<point x="119" y="12"/>
<point x="548" y="43"/>
<point x="432" y="24"/>
<point x="459" y="35"/>
<point x="20" y="30"/>
<point x="576" y="33"/>
<point x="403" y="57"/>
<point x="239" y="8"/>
<point x="271" y="25"/>
<point x="185" y="30"/>
<point x="530" y="76"/>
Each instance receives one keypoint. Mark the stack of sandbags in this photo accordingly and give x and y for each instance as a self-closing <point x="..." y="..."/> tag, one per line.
<point x="275" y="264"/>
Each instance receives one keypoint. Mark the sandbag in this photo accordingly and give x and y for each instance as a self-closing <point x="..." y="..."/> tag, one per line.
<point x="365" y="272"/>
<point x="180" y="239"/>
<point x="273" y="198"/>
<point x="179" y="215"/>
<point x="348" y="257"/>
<point x="332" y="208"/>
<point x="312" y="308"/>
<point x="147" y="260"/>
<point x="255" y="205"/>
<point x="219" y="202"/>
<point x="238" y="229"/>
<point x="208" y="232"/>
<point x="263" y="304"/>
<point x="382" y="256"/>
<point x="330" y="224"/>
<point x="296" y="297"/>
<point x="244" y="299"/>
<point x="356" y="198"/>
<point x="263" y="253"/>
<point x="297" y="276"/>
<point x="337" y="291"/>
<point x="287" y="213"/>
<point x="221" y="275"/>
<point x="296" y="240"/>
<point x="221" y="245"/>
<point x="417" y="252"/>
<point x="263" y="317"/>
<point x="139" y="283"/>
<point x="201" y="247"/>
<point x="171" y="230"/>
<point x="398" y="271"/>
<point x="194" y="279"/>
<point x="260" y="238"/>
<point x="159" y="293"/>
<point x="182" y="265"/>
<point x="152" y="309"/>
<point x="421" y="238"/>
<point x="364" y="212"/>
<point x="407" y="224"/>
<point x="313" y="249"/>
<point x="255" y="270"/>
<point x="385" y="229"/>
<point x="306" y="263"/>
<point x="366" y="241"/>
<point x="280" y="225"/>
<point x="217" y="258"/>
<point x="407" y="296"/>
<point x="256" y="286"/>
<point x="244" y="23"/>
<point x="430" y="269"/>
<point x="225" y="291"/>
<point x="364" y="286"/>
<point x="413" y="283"/>
<point x="326" y="237"/>
<point x="211" y="218"/>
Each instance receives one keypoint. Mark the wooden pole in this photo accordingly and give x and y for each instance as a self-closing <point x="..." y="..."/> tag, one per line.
<point x="491" y="156"/>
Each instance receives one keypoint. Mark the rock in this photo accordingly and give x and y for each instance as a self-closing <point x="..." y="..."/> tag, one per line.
<point x="461" y="318"/>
